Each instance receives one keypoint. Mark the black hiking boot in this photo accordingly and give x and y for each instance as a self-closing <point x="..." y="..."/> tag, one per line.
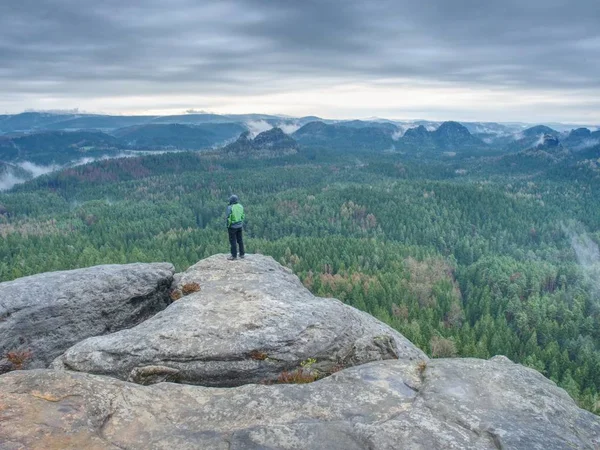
<point x="231" y="258"/>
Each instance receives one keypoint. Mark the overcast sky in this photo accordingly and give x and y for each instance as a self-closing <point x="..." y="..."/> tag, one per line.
<point x="502" y="60"/>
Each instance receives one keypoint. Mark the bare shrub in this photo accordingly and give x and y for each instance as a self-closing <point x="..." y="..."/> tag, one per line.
<point x="257" y="355"/>
<point x="190" y="288"/>
<point x="297" y="376"/>
<point x="442" y="348"/>
<point x="19" y="358"/>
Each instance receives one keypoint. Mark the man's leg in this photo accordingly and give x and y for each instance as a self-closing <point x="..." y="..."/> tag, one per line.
<point x="240" y="241"/>
<point x="232" y="233"/>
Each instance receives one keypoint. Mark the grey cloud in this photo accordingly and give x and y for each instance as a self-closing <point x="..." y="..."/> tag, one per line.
<point x="87" y="48"/>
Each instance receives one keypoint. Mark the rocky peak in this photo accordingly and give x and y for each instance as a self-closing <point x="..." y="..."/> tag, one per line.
<point x="245" y="136"/>
<point x="451" y="129"/>
<point x="454" y="136"/>
<point x="252" y="329"/>
<point x="581" y="139"/>
<point x="418" y="132"/>
<point x="580" y="133"/>
<point x="258" y="321"/>
<point x="46" y="314"/>
<point x="549" y="142"/>
<point x="538" y="130"/>
<point x="316" y="127"/>
<point x="273" y="142"/>
<point x="274" y="138"/>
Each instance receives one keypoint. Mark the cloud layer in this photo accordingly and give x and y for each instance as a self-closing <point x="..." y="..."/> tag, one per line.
<point x="437" y="59"/>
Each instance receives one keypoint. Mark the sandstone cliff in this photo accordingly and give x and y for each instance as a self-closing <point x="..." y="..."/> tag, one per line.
<point x="206" y="372"/>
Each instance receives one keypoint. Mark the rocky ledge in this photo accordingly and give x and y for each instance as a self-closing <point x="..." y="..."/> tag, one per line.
<point x="247" y="322"/>
<point x="394" y="404"/>
<point x="43" y="315"/>
<point x="244" y="324"/>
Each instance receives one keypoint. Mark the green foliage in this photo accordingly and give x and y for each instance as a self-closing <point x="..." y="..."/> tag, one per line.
<point x="475" y="263"/>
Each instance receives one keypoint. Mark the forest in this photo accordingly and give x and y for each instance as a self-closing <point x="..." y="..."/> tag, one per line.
<point x="466" y="256"/>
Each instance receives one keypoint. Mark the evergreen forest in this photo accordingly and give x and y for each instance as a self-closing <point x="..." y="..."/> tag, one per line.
<point x="470" y="256"/>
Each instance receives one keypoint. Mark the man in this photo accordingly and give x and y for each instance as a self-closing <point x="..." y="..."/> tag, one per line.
<point x="235" y="222"/>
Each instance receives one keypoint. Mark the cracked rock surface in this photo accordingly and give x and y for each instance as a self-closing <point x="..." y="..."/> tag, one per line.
<point x="250" y="320"/>
<point x="393" y="404"/>
<point x="48" y="313"/>
<point x="190" y="377"/>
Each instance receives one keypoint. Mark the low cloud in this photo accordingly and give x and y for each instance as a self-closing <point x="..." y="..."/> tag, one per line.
<point x="402" y="129"/>
<point x="257" y="126"/>
<point x="587" y="254"/>
<point x="56" y="111"/>
<point x="539" y="141"/>
<point x="36" y="170"/>
<point x="289" y="127"/>
<point x="8" y="180"/>
<point x="196" y="111"/>
<point x="588" y="143"/>
<point x="129" y="154"/>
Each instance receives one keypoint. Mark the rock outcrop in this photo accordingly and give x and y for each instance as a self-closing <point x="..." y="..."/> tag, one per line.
<point x="268" y="144"/>
<point x="250" y="321"/>
<point x="454" y="136"/>
<point x="240" y="324"/>
<point x="43" y="315"/>
<point x="396" y="404"/>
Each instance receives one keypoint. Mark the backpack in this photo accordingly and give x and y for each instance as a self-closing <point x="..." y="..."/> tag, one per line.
<point x="237" y="214"/>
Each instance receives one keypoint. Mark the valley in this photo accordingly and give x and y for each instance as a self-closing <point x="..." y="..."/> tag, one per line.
<point x="468" y="245"/>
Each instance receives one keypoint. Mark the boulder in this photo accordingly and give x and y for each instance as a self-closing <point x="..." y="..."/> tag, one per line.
<point x="43" y="315"/>
<point x="393" y="404"/>
<point x="249" y="321"/>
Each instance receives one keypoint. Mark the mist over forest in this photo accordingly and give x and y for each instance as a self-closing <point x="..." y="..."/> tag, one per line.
<point x="471" y="239"/>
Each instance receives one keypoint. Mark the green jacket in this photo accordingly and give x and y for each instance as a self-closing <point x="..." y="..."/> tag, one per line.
<point x="235" y="216"/>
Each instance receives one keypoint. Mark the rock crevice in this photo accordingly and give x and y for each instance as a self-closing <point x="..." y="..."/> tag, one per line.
<point x="48" y="313"/>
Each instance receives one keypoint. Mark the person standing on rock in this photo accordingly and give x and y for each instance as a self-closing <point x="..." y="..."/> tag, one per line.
<point x="235" y="222"/>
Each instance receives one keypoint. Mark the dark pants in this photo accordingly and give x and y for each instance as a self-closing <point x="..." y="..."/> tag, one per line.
<point x="235" y="235"/>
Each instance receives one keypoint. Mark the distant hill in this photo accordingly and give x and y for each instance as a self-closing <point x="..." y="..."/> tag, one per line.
<point x="357" y="135"/>
<point x="581" y="139"/>
<point x="107" y="135"/>
<point x="177" y="136"/>
<point x="529" y="138"/>
<point x="64" y="147"/>
<point x="488" y="128"/>
<point x="31" y="121"/>
<point x="388" y="126"/>
<point x="56" y="146"/>
<point x="449" y="136"/>
<point x="271" y="143"/>
<point x="105" y="123"/>
<point x="538" y="130"/>
<point x="343" y="137"/>
<point x="192" y="119"/>
<point x="418" y="138"/>
<point x="454" y="136"/>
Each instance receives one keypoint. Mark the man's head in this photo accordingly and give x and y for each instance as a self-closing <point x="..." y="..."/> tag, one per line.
<point x="233" y="199"/>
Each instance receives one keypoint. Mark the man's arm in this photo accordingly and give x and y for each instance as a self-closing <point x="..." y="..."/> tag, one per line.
<point x="227" y="214"/>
